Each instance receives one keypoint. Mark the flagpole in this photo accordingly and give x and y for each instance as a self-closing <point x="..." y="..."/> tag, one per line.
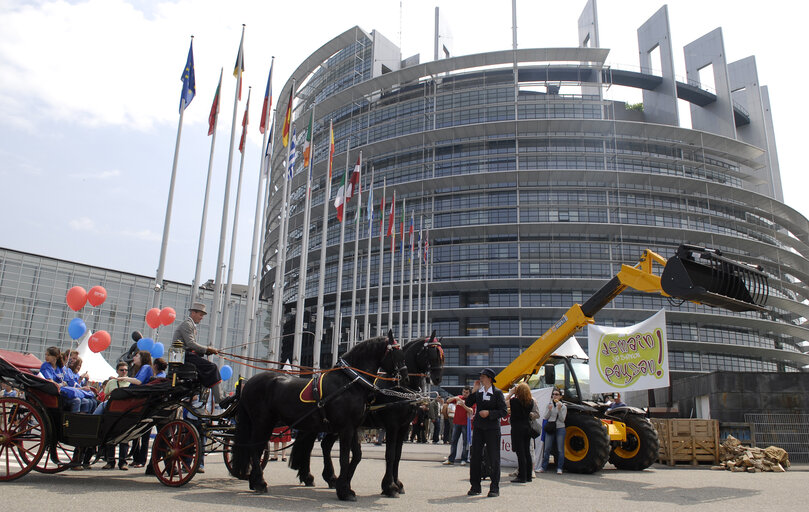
<point x="352" y="338"/>
<point x="418" y="309"/>
<point x="392" y="259"/>
<point x="201" y="246"/>
<point x="254" y="271"/>
<point x="259" y="266"/>
<point x="323" y="241"/>
<point x="161" y="265"/>
<point x="304" y="262"/>
<point x="217" y="294"/>
<point x="278" y="292"/>
<point x="336" y="332"/>
<point x="381" y="258"/>
<point x="429" y="304"/>
<point x="401" y="275"/>
<point x="426" y="276"/>
<point x="410" y="284"/>
<point x="370" y="208"/>
<point x="233" y="235"/>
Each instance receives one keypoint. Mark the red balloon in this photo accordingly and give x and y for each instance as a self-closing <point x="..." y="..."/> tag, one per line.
<point x="76" y="298"/>
<point x="96" y="296"/>
<point x="99" y="341"/>
<point x="167" y="316"/>
<point x="153" y="318"/>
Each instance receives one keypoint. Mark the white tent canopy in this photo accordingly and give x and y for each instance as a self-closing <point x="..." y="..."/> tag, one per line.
<point x="94" y="364"/>
<point x="571" y="348"/>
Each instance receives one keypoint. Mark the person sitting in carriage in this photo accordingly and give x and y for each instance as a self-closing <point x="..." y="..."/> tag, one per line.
<point x="53" y="369"/>
<point x="186" y="332"/>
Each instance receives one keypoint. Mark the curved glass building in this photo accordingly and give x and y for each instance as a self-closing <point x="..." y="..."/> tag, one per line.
<point x="534" y="184"/>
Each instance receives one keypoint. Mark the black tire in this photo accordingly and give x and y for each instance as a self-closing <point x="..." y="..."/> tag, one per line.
<point x="641" y="447"/>
<point x="587" y="444"/>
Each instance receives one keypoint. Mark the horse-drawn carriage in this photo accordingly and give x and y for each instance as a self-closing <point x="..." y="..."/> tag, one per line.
<point x="38" y="433"/>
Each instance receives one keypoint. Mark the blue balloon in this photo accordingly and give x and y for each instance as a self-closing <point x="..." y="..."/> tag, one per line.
<point x="226" y="372"/>
<point x="158" y="350"/>
<point x="145" y="344"/>
<point x="76" y="328"/>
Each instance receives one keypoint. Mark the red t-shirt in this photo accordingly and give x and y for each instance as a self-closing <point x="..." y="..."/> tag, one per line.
<point x="460" y="412"/>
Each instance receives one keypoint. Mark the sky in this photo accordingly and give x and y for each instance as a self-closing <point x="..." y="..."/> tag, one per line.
<point x="89" y="97"/>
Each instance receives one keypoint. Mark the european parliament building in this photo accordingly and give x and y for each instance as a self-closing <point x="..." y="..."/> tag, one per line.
<point x="534" y="189"/>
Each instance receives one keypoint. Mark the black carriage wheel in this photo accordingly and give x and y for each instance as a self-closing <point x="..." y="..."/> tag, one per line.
<point x="22" y="438"/>
<point x="226" y="455"/>
<point x="175" y="453"/>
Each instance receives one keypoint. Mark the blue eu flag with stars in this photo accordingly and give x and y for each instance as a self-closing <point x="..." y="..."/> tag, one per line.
<point x="189" y="83"/>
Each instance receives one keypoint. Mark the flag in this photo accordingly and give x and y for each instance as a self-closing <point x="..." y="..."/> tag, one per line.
<point x="382" y="215"/>
<point x="339" y="200"/>
<point x="391" y="214"/>
<point x="189" y="82"/>
<point x="401" y="231"/>
<point x="426" y="249"/>
<point x="267" y="153"/>
<point x="370" y="206"/>
<point x="353" y="186"/>
<point x="412" y="214"/>
<point x="307" y="146"/>
<point x="265" y="109"/>
<point x="291" y="167"/>
<point x="287" y="120"/>
<point x="215" y="106"/>
<point x="244" y="125"/>
<point x="331" y="147"/>
<point x="238" y="69"/>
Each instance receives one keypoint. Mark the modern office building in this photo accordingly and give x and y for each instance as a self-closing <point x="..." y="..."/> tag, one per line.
<point x="34" y="314"/>
<point x="535" y="186"/>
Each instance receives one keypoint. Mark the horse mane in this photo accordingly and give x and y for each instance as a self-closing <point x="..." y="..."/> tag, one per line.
<point x="366" y="349"/>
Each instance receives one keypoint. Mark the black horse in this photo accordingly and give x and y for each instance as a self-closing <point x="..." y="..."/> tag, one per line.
<point x="425" y="361"/>
<point x="337" y="404"/>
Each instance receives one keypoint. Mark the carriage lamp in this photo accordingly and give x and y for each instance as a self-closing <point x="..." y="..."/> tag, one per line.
<point x="177" y="353"/>
<point x="176" y="359"/>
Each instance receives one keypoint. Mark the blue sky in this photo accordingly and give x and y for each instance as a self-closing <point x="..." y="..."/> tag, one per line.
<point x="89" y="93"/>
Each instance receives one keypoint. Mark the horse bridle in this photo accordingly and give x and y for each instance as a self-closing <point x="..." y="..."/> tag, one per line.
<point x="389" y="351"/>
<point x="424" y="352"/>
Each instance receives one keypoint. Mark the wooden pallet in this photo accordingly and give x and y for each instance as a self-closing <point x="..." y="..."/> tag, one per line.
<point x="687" y="440"/>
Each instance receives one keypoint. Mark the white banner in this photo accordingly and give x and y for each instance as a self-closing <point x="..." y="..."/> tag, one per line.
<point x="629" y="358"/>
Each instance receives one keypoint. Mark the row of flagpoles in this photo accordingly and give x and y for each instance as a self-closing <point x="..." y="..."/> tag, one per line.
<point x="350" y="187"/>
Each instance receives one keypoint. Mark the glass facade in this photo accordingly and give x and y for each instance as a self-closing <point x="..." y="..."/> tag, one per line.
<point x="533" y="198"/>
<point x="34" y="314"/>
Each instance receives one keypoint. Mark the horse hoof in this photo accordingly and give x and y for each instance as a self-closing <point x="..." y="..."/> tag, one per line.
<point x="348" y="497"/>
<point x="390" y="494"/>
<point x="260" y="489"/>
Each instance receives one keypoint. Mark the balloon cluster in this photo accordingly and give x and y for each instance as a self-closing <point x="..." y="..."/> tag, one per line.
<point x="155" y="348"/>
<point x="156" y="317"/>
<point x="76" y="298"/>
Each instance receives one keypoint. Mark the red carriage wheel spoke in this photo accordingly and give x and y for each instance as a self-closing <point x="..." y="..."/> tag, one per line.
<point x="23" y="438"/>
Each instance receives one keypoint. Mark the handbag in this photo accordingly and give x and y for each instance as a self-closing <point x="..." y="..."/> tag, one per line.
<point x="536" y="425"/>
<point x="550" y="428"/>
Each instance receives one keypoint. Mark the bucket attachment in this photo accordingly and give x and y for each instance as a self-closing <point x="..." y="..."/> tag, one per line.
<point x="705" y="276"/>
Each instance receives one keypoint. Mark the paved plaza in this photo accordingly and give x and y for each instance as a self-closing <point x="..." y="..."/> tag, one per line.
<point x="429" y="485"/>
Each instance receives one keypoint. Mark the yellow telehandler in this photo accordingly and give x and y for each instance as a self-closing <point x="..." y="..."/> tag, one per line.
<point x="624" y="435"/>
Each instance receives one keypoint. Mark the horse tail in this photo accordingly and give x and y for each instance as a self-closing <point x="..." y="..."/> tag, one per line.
<point x="241" y="443"/>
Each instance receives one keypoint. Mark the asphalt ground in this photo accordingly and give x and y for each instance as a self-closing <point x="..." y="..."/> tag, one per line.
<point x="428" y="484"/>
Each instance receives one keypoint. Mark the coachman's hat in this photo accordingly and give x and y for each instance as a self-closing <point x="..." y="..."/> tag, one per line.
<point x="488" y="372"/>
<point x="198" y="306"/>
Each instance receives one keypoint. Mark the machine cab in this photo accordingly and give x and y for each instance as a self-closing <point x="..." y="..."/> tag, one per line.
<point x="572" y="375"/>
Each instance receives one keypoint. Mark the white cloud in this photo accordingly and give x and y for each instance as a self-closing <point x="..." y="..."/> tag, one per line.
<point x="82" y="224"/>
<point x="145" y="235"/>
<point x="102" y="175"/>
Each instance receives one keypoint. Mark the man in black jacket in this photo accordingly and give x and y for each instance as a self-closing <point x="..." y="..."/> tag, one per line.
<point x="491" y="407"/>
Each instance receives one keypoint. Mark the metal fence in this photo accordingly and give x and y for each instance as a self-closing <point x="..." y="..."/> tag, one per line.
<point x="787" y="431"/>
